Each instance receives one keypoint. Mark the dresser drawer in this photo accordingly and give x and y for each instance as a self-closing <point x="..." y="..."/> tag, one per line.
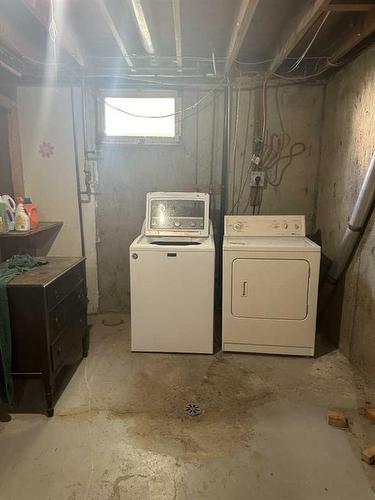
<point x="67" y="311"/>
<point x="64" y="350"/>
<point x="63" y="285"/>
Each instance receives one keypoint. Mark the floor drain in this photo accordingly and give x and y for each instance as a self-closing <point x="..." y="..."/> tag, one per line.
<point x="192" y="410"/>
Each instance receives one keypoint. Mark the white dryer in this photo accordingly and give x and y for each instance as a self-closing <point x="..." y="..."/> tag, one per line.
<point x="270" y="285"/>
<point x="172" y="275"/>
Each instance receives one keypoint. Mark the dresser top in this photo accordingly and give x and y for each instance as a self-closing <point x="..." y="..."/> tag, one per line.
<point x="43" y="275"/>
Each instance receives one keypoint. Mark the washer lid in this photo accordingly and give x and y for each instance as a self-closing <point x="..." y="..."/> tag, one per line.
<point x="172" y="244"/>
<point x="177" y="214"/>
<point x="269" y="244"/>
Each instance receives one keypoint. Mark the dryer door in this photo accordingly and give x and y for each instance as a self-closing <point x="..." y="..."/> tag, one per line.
<point x="270" y="288"/>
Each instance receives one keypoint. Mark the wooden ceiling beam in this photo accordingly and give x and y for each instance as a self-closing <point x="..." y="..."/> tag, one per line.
<point x="16" y="41"/>
<point x="296" y="30"/>
<point x="351" y="7"/>
<point x="177" y="32"/>
<point x="244" y="17"/>
<point x="363" y="27"/>
<point x="142" y="25"/>
<point x="115" y="32"/>
<point x="66" y="38"/>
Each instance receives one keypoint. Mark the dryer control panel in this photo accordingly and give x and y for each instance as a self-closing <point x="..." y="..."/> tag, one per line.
<point x="265" y="225"/>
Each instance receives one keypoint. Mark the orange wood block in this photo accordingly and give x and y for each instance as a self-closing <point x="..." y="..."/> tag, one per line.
<point x="368" y="455"/>
<point x="337" y="419"/>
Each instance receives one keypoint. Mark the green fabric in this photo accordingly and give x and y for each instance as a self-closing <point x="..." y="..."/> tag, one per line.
<point x="8" y="270"/>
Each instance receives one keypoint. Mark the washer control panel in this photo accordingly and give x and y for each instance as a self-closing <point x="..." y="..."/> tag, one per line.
<point x="264" y="225"/>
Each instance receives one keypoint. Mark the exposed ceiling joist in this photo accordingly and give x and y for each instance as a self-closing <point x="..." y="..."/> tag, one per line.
<point x="10" y="69"/>
<point x="16" y="41"/>
<point x="351" y="7"/>
<point x="115" y="33"/>
<point x="363" y="28"/>
<point x="142" y="25"/>
<point x="244" y="17"/>
<point x="177" y="31"/>
<point x="66" y="38"/>
<point x="296" y="31"/>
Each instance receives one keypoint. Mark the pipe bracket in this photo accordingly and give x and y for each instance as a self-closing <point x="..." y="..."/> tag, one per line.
<point x="355" y="229"/>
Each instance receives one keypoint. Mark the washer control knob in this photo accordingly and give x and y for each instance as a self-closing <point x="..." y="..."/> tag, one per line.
<point x="177" y="223"/>
<point x="285" y="225"/>
<point x="237" y="226"/>
<point x="296" y="226"/>
<point x="134" y="256"/>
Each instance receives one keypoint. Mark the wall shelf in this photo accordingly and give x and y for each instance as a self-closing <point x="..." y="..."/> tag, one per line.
<point x="43" y="226"/>
<point x="35" y="242"/>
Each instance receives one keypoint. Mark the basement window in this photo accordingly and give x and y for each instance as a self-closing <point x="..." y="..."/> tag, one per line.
<point x="141" y="117"/>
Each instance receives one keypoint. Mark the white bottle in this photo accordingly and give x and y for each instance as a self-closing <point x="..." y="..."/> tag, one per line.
<point x="11" y="209"/>
<point x="22" y="220"/>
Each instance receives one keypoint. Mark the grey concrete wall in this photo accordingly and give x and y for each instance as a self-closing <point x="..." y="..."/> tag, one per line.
<point x="128" y="172"/>
<point x="301" y="110"/>
<point x="347" y="145"/>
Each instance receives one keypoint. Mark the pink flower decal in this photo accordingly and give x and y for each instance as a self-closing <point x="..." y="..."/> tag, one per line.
<point x="46" y="149"/>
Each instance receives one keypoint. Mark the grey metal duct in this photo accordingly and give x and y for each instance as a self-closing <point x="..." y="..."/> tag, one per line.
<point x="352" y="234"/>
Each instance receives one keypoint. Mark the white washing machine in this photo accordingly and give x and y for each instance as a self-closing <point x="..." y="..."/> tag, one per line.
<point x="172" y="276"/>
<point x="270" y="285"/>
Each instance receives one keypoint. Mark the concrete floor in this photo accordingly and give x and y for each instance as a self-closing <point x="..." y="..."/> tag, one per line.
<point x="120" y="431"/>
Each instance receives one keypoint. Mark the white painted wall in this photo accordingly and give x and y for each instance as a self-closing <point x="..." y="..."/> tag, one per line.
<point x="45" y="115"/>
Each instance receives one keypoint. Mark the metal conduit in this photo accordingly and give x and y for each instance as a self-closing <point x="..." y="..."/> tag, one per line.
<point x="354" y="230"/>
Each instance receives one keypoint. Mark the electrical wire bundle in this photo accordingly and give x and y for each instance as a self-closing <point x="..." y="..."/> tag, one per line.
<point x="279" y="151"/>
<point x="278" y="157"/>
<point x="276" y="154"/>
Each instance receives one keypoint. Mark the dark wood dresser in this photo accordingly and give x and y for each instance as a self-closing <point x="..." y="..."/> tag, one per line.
<point x="48" y="311"/>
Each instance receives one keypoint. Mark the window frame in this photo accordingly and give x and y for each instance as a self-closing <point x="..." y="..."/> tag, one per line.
<point x="140" y="140"/>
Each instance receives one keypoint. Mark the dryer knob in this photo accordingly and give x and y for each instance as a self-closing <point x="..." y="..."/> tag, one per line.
<point x="237" y="226"/>
<point x="135" y="256"/>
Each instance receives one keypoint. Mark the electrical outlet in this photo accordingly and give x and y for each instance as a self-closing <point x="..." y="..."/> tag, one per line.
<point x="257" y="179"/>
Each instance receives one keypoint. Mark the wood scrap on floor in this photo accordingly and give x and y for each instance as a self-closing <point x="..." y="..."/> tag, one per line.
<point x="337" y="419"/>
<point x="368" y="455"/>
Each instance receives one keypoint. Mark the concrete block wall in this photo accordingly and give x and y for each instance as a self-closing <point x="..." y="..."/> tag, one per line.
<point x="348" y="142"/>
